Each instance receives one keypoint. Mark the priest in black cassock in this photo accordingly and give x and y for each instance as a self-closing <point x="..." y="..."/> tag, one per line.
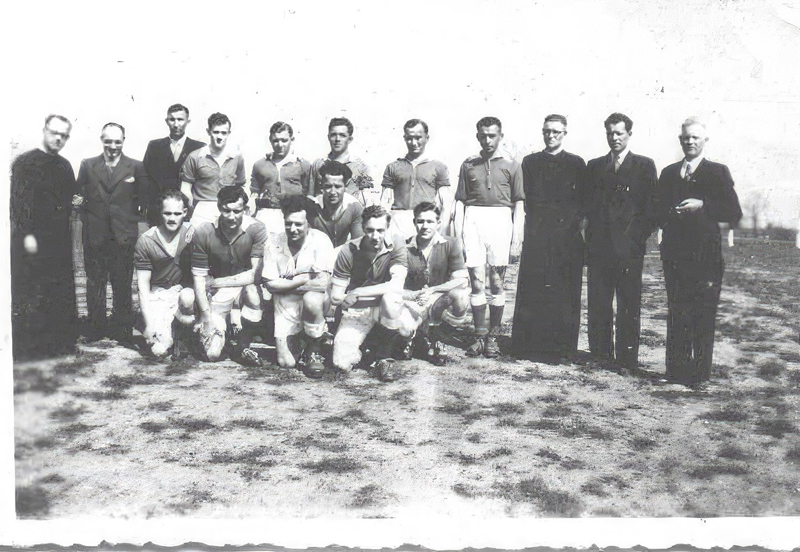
<point x="43" y="311"/>
<point x="548" y="305"/>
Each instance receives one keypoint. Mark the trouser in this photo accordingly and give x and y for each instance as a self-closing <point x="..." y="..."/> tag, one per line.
<point x="693" y="289"/>
<point x="623" y="278"/>
<point x="106" y="261"/>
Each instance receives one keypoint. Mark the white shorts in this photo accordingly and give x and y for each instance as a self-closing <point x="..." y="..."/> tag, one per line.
<point x="288" y="314"/>
<point x="204" y="211"/>
<point x="163" y="306"/>
<point x="487" y="235"/>
<point x="222" y="302"/>
<point x="403" y="223"/>
<point x="272" y="219"/>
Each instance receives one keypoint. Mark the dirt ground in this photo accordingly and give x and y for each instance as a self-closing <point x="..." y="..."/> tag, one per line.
<point x="111" y="433"/>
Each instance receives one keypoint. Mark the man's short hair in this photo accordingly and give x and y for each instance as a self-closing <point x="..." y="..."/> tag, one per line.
<point x="294" y="204"/>
<point x="335" y="168"/>
<point x="556" y="118"/>
<point x="119" y="126"/>
<point x="487" y="122"/>
<point x="375" y="211"/>
<point x="218" y="119"/>
<point x="231" y="194"/>
<point x="694" y="120"/>
<point x="59" y="117"/>
<point x="615" y="118"/>
<point x="174" y="194"/>
<point x="427" y="206"/>
<point x="341" y="121"/>
<point x="411" y="123"/>
<point x="178" y="107"/>
<point x="279" y="127"/>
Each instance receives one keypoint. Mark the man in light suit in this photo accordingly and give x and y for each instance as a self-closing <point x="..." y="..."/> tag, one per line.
<point x="694" y="195"/>
<point x="621" y="216"/>
<point x="164" y="158"/>
<point x="115" y="190"/>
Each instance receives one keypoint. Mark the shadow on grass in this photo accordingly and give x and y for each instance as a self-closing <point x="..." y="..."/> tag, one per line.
<point x="729" y="413"/>
<point x="368" y="496"/>
<point x="776" y="427"/>
<point x="550" y="501"/>
<point x="32" y="502"/>
<point x="83" y="359"/>
<point x="333" y="464"/>
<point x="68" y="412"/>
<point x="122" y="383"/>
<point x="711" y="469"/>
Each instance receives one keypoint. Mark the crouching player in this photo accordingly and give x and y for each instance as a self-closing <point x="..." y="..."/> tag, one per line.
<point x="296" y="273"/>
<point x="437" y="284"/>
<point x="163" y="261"/>
<point x="225" y="254"/>
<point x="367" y="282"/>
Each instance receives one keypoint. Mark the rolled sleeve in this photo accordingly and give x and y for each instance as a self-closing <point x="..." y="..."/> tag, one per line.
<point x="141" y="258"/>
<point x="343" y="266"/>
<point x="461" y="188"/>
<point x="442" y="177"/>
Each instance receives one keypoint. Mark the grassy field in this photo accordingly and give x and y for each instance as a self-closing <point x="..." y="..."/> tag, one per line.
<point x="108" y="432"/>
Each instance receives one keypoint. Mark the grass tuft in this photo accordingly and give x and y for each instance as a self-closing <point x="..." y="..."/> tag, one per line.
<point x="122" y="383"/>
<point x="366" y="496"/>
<point x="334" y="464"/>
<point x="68" y="412"/>
<point x="641" y="444"/>
<point x="550" y="501"/>
<point x="732" y="452"/>
<point x="793" y="454"/>
<point x="32" y="502"/>
<point x="153" y="427"/>
<point x="729" y="413"/>
<point x="776" y="427"/>
<point x="81" y="361"/>
<point x="252" y="423"/>
<point x="710" y="470"/>
<point x="259" y="456"/>
<point x="771" y="369"/>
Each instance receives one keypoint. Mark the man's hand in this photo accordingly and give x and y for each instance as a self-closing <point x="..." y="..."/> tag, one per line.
<point x="77" y="200"/>
<point x="349" y="300"/>
<point x="30" y="244"/>
<point x="689" y="205"/>
<point x="149" y="334"/>
<point x="423" y="296"/>
<point x="210" y="283"/>
<point x="516" y="248"/>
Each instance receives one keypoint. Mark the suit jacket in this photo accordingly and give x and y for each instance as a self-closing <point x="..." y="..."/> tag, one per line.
<point x="163" y="170"/>
<point x="622" y="207"/>
<point x="696" y="236"/>
<point x="113" y="203"/>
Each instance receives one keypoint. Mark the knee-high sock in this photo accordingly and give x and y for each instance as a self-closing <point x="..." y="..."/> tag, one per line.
<point x="478" y="303"/>
<point x="496" y="311"/>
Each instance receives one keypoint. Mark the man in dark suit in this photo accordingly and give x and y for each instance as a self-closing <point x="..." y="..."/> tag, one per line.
<point x="165" y="156"/>
<point x="621" y="216"/>
<point x="114" y="188"/>
<point x="694" y="195"/>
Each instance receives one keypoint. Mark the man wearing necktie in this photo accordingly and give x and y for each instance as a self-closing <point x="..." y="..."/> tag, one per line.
<point x="694" y="195"/>
<point x="164" y="158"/>
<point x="621" y="216"/>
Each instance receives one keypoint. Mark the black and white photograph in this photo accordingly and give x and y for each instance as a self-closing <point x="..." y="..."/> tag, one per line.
<point x="447" y="274"/>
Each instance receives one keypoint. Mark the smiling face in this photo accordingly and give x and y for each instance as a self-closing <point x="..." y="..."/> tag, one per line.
<point x="113" y="140"/>
<point x="693" y="140"/>
<point x="416" y="139"/>
<point x="281" y="143"/>
<point x="426" y="223"/>
<point x="172" y="214"/>
<point x="489" y="139"/>
<point x="617" y="137"/>
<point x="55" y="135"/>
<point x="332" y="187"/>
<point x="296" y="226"/>
<point x="375" y="232"/>
<point x="177" y="121"/>
<point x="231" y="215"/>
<point x="219" y="136"/>
<point x="553" y="133"/>
<point x="339" y="139"/>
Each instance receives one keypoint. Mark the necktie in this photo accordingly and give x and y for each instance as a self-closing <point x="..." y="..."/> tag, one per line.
<point x="688" y="176"/>
<point x="176" y="152"/>
<point x="617" y="163"/>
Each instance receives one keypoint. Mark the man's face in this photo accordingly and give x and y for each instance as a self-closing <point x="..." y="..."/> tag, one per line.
<point x="339" y="138"/>
<point x="693" y="139"/>
<point x="375" y="232"/>
<point x="426" y="222"/>
<point x="113" y="140"/>
<point x="332" y="189"/>
<point x="56" y="134"/>
<point x="553" y="133"/>
<point x="172" y="214"/>
<point x="231" y="215"/>
<point x="177" y="121"/>
<point x="296" y="226"/>
<point x="281" y="143"/>
<point x="416" y="139"/>
<point x="489" y="138"/>
<point x="617" y="137"/>
<point x="219" y="136"/>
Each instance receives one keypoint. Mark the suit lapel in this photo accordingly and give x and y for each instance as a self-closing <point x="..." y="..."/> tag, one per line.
<point x="119" y="173"/>
<point x="100" y="170"/>
<point x="166" y="150"/>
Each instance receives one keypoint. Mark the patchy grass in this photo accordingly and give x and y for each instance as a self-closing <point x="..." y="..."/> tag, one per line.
<point x="728" y="413"/>
<point x="259" y="456"/>
<point x="641" y="444"/>
<point x="793" y="454"/>
<point x="368" y="496"/>
<point x="771" y="369"/>
<point x="549" y="454"/>
<point x="32" y="502"/>
<point x="507" y="409"/>
<point x="333" y="464"/>
<point x="714" y="468"/>
<point x="550" y="501"/>
<point x="732" y="452"/>
<point x="123" y="383"/>
<point x="67" y="413"/>
<point x="161" y="406"/>
<point x="81" y="361"/>
<point x="775" y="427"/>
<point x="180" y="367"/>
<point x="348" y="419"/>
<point x="557" y="411"/>
<point x="280" y="396"/>
<point x="35" y="380"/>
<point x="462" y="489"/>
<point x="574" y="426"/>
<point x="191" y="424"/>
<point x="153" y="427"/>
<point x="252" y="423"/>
<point x="113" y="395"/>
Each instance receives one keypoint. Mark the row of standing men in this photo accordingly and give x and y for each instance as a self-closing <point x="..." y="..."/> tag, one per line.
<point x="610" y="206"/>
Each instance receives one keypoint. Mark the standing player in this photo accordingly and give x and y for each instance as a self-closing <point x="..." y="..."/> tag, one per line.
<point x="490" y="218"/>
<point x="277" y="175"/>
<point x="415" y="178"/>
<point x="621" y="215"/>
<point x="296" y="273"/>
<point x="334" y="211"/>
<point x="340" y="135"/>
<point x="211" y="168"/>
<point x="225" y="255"/>
<point x="163" y="272"/>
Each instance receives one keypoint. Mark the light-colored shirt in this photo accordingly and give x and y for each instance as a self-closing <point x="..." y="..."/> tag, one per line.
<point x="315" y="255"/>
<point x="694" y="163"/>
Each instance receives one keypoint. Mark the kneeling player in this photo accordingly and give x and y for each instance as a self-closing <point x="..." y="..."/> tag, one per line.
<point x="162" y="263"/>
<point x="224" y="259"/>
<point x="367" y="282"/>
<point x="437" y="281"/>
<point x="296" y="273"/>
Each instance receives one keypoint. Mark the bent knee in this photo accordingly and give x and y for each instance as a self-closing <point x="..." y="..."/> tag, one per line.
<point x="313" y="301"/>
<point x="251" y="296"/>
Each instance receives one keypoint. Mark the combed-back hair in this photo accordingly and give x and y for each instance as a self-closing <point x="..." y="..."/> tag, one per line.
<point x="173" y="193"/>
<point x="335" y="168"/>
<point x="375" y="211"/>
<point x="231" y="194"/>
<point x="178" y="107"/>
<point x="489" y="121"/>
<point x="59" y="117"/>
<point x="294" y="204"/>
<point x="411" y="123"/>
<point x="217" y="119"/>
<point x="556" y="118"/>
<point x="119" y="126"/>
<point x="280" y="126"/>
<point x="426" y="206"/>
<point x="341" y="121"/>
<point x="615" y="118"/>
<point x="694" y="120"/>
